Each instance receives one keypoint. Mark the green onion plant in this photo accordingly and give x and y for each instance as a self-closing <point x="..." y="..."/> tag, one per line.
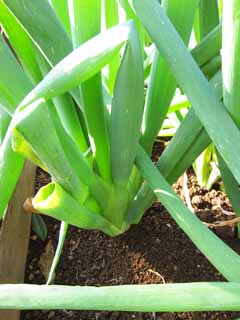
<point x="85" y="99"/>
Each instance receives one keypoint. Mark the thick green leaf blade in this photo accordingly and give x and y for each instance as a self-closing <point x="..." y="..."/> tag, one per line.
<point x="66" y="110"/>
<point x="130" y="15"/>
<point x="162" y="84"/>
<point x="30" y="57"/>
<point x="61" y="9"/>
<point x="127" y="110"/>
<point x="231" y="60"/>
<point x="21" y="42"/>
<point x="70" y="120"/>
<point x="212" y="67"/>
<point x="111" y="19"/>
<point x="11" y="163"/>
<point x="202" y="296"/>
<point x="40" y="21"/>
<point x="37" y="126"/>
<point x="81" y="64"/>
<point x="196" y="27"/>
<point x="209" y="46"/>
<point x="4" y="123"/>
<point x="11" y="73"/>
<point x="208" y="16"/>
<point x="45" y="30"/>
<point x="83" y="28"/>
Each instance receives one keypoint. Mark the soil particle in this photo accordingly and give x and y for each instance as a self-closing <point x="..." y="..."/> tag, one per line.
<point x="155" y="251"/>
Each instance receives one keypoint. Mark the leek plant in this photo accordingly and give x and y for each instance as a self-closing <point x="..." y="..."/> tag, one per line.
<point x="85" y="98"/>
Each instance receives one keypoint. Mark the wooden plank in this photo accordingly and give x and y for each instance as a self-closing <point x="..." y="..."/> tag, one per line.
<point x="14" y="235"/>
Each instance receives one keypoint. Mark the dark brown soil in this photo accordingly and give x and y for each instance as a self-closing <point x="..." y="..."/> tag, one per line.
<point x="155" y="251"/>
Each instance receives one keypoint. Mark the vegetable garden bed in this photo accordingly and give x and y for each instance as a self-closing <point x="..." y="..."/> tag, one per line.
<point x="155" y="251"/>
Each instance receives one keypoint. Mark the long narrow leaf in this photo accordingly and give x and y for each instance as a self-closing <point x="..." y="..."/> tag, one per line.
<point x="81" y="64"/>
<point x="209" y="46"/>
<point x="11" y="73"/>
<point x="30" y="57"/>
<point x="61" y="239"/>
<point x="11" y="165"/>
<point x="130" y="15"/>
<point x="111" y="19"/>
<point x="208" y="16"/>
<point x="45" y="29"/>
<point x="61" y="8"/>
<point x="14" y="85"/>
<point x="217" y="252"/>
<point x="231" y="61"/>
<point x="212" y="296"/>
<point x="37" y="127"/>
<point x="66" y="110"/>
<point x="162" y="84"/>
<point x="127" y="110"/>
<point x="4" y="123"/>
<point x="212" y="67"/>
<point x="21" y="42"/>
<point x="83" y="28"/>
